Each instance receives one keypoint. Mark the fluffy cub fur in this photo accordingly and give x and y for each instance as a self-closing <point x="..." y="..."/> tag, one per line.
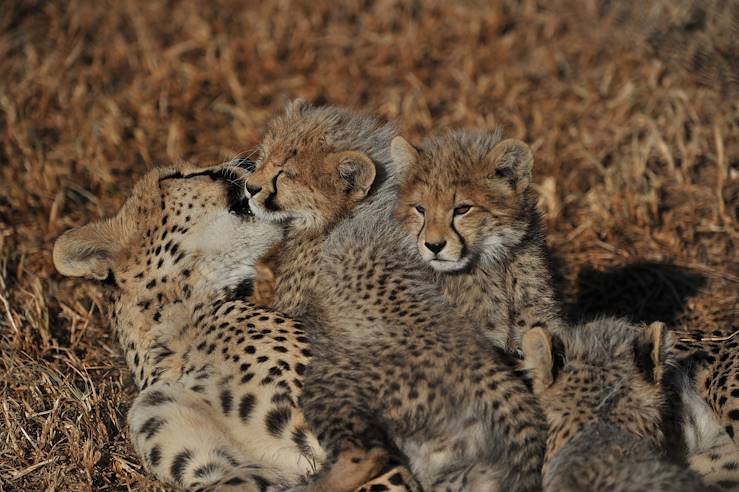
<point x="220" y="378"/>
<point x="600" y="386"/>
<point x="466" y="199"/>
<point x="396" y="368"/>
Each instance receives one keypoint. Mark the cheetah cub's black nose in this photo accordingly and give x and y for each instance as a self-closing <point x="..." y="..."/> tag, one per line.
<point x="435" y="247"/>
<point x="253" y="190"/>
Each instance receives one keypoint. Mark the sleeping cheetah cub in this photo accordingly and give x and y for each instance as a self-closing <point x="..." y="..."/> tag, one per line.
<point x="220" y="378"/>
<point x="395" y="366"/>
<point x="466" y="199"/>
<point x="600" y="386"/>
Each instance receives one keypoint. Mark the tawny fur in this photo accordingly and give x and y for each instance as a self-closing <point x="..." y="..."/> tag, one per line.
<point x="220" y="378"/>
<point x="601" y="387"/>
<point x="395" y="365"/>
<point x="710" y="450"/>
<point x="466" y="198"/>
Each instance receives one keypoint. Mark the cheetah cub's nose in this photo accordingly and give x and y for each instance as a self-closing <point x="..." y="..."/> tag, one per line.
<point x="252" y="190"/>
<point x="435" y="247"/>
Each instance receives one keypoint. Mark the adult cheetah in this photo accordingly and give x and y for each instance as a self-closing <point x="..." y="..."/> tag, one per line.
<point x="220" y="378"/>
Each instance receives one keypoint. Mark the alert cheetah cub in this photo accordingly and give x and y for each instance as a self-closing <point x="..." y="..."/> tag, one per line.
<point x="220" y="378"/>
<point x="600" y="386"/>
<point x="395" y="368"/>
<point x="466" y="199"/>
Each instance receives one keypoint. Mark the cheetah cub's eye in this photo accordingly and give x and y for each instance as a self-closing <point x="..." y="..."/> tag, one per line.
<point x="420" y="209"/>
<point x="462" y="209"/>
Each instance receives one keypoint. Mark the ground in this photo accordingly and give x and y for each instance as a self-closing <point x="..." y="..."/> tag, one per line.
<point x="637" y="163"/>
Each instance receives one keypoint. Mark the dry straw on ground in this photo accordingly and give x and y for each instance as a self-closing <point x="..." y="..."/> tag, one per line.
<point x="637" y="160"/>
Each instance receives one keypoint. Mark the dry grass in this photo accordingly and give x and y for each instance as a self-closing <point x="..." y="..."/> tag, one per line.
<point x="637" y="164"/>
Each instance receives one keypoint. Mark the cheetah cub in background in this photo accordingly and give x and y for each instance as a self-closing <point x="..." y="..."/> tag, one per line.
<point x="466" y="199"/>
<point x="220" y="378"/>
<point x="396" y="368"/>
<point x="600" y="386"/>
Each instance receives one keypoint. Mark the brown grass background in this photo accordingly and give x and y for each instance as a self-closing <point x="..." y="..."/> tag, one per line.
<point x="636" y="138"/>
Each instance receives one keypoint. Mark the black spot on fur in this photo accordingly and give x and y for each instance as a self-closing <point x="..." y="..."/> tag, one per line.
<point x="242" y="291"/>
<point x="155" y="398"/>
<point x="276" y="420"/>
<point x="727" y="484"/>
<point x="262" y="483"/>
<point x="226" y="401"/>
<point x="300" y="440"/>
<point x="155" y="456"/>
<point x="734" y="414"/>
<point x="179" y="463"/>
<point x="396" y="479"/>
<point x="234" y="481"/>
<point x="246" y="405"/>
<point x="205" y="470"/>
<point x="151" y="427"/>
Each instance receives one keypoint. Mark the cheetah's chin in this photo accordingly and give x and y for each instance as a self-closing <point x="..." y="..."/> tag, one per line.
<point x="268" y="215"/>
<point x="448" y="265"/>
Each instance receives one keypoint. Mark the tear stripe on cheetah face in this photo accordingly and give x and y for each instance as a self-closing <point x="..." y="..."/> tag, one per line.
<point x="220" y="377"/>
<point x="601" y="387"/>
<point x="466" y="199"/>
<point x="395" y="365"/>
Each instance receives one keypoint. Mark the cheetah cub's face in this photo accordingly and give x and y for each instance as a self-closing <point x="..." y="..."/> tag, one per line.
<point x="606" y="371"/>
<point x="176" y="223"/>
<point x="464" y="195"/>
<point x="309" y="171"/>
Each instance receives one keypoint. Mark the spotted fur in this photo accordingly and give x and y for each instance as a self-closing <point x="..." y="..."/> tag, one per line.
<point x="396" y="367"/>
<point x="220" y="378"/>
<point x="601" y="387"/>
<point x="466" y="198"/>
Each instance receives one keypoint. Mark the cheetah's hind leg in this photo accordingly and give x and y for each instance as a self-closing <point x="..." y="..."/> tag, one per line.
<point x="396" y="479"/>
<point x="180" y="441"/>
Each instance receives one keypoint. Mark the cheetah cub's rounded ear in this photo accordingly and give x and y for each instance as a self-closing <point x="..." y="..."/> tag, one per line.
<point x="538" y="359"/>
<point x="88" y="251"/>
<point x="512" y="160"/>
<point x="404" y="156"/>
<point x="357" y="172"/>
<point x="296" y="106"/>
<point x="654" y="350"/>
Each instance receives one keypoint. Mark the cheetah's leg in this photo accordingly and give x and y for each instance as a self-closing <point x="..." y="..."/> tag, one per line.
<point x="178" y="437"/>
<point x="477" y="477"/>
<point x="397" y="479"/>
<point x="337" y="412"/>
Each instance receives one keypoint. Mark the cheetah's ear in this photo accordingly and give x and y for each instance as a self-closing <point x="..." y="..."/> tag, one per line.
<point x="357" y="173"/>
<point x="296" y="106"/>
<point x="512" y="160"/>
<point x="404" y="156"/>
<point x="653" y="350"/>
<point x="88" y="251"/>
<point x="538" y="358"/>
